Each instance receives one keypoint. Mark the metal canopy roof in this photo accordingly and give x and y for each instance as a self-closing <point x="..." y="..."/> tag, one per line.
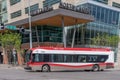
<point x="54" y="18"/>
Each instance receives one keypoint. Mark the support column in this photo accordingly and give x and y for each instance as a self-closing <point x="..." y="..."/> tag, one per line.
<point x="73" y="39"/>
<point x="64" y="32"/>
<point x="30" y="34"/>
<point x="37" y="36"/>
<point x="42" y="34"/>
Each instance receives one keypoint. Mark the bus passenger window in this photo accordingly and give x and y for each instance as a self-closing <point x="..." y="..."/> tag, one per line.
<point x="35" y="57"/>
<point x="46" y="58"/>
<point x="81" y="58"/>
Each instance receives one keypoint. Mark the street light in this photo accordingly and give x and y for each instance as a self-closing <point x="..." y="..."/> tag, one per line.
<point x="30" y="34"/>
<point x="0" y="19"/>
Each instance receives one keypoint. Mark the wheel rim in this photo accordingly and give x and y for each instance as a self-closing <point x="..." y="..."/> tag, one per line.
<point x="45" y="68"/>
<point x="95" y="68"/>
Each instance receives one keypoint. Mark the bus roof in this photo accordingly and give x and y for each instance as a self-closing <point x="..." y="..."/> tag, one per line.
<point x="72" y="49"/>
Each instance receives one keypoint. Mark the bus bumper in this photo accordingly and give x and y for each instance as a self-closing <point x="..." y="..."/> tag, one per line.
<point x="109" y="65"/>
<point x="27" y="68"/>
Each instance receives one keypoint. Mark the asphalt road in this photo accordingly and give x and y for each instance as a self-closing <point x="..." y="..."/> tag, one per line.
<point x="20" y="74"/>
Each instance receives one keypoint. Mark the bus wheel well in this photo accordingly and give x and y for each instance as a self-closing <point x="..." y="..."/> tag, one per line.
<point x="96" y="67"/>
<point x="45" y="68"/>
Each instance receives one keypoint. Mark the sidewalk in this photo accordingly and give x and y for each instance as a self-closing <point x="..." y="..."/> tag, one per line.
<point x="10" y="66"/>
<point x="116" y="69"/>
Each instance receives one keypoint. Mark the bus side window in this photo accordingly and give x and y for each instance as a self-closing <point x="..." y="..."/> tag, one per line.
<point x="103" y="58"/>
<point x="41" y="57"/>
<point x="46" y="58"/>
<point x="92" y="58"/>
<point x="58" y="58"/>
<point x="33" y="57"/>
<point x="75" y="58"/>
<point x="81" y="58"/>
<point x="65" y="58"/>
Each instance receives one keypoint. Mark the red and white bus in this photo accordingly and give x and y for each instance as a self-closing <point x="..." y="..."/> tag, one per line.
<point x="51" y="58"/>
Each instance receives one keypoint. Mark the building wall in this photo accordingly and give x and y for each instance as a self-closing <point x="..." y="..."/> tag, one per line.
<point x="3" y="11"/>
<point x="110" y="2"/>
<point x="70" y="1"/>
<point x="24" y="3"/>
<point x="21" y="6"/>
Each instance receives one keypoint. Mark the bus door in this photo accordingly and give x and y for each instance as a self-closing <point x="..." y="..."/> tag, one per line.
<point x="28" y="55"/>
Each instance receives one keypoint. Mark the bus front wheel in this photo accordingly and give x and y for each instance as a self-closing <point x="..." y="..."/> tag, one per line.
<point x="46" y="68"/>
<point x="95" y="67"/>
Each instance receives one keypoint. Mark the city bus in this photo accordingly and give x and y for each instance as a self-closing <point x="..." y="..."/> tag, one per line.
<point x="48" y="59"/>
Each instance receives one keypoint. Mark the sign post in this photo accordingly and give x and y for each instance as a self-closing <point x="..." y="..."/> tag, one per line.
<point x="30" y="34"/>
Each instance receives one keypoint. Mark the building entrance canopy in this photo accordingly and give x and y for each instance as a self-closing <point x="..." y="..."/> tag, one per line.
<point x="55" y="17"/>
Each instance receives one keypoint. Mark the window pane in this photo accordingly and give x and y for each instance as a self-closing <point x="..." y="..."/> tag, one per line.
<point x="32" y="8"/>
<point x="12" y="2"/>
<point x="16" y="14"/>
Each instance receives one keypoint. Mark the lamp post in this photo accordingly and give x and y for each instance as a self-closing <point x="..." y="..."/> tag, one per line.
<point x="0" y="21"/>
<point x="30" y="34"/>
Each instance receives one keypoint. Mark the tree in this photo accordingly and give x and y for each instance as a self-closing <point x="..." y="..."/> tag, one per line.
<point x="114" y="40"/>
<point x="9" y="41"/>
<point x="96" y="40"/>
<point x="106" y="40"/>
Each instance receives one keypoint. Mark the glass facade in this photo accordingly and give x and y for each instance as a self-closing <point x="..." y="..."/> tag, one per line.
<point x="114" y="4"/>
<point x="12" y="2"/>
<point x="32" y="8"/>
<point x="45" y="34"/>
<point x="50" y="2"/>
<point x="106" y="22"/>
<point x="102" y="1"/>
<point x="3" y="11"/>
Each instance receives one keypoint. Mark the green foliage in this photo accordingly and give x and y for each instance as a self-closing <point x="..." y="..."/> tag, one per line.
<point x="106" y="40"/>
<point x="10" y="40"/>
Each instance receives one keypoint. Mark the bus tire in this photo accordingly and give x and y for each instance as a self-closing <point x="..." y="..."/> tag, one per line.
<point x="46" y="68"/>
<point x="102" y="70"/>
<point x="95" y="67"/>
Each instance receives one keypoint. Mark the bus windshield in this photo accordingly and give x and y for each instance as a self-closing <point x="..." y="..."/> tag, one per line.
<point x="28" y="56"/>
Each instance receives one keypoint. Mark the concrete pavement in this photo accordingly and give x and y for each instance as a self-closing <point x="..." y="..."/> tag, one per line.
<point x="17" y="74"/>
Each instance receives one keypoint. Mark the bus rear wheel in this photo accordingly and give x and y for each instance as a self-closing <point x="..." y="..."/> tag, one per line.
<point x="95" y="67"/>
<point x="46" y="68"/>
